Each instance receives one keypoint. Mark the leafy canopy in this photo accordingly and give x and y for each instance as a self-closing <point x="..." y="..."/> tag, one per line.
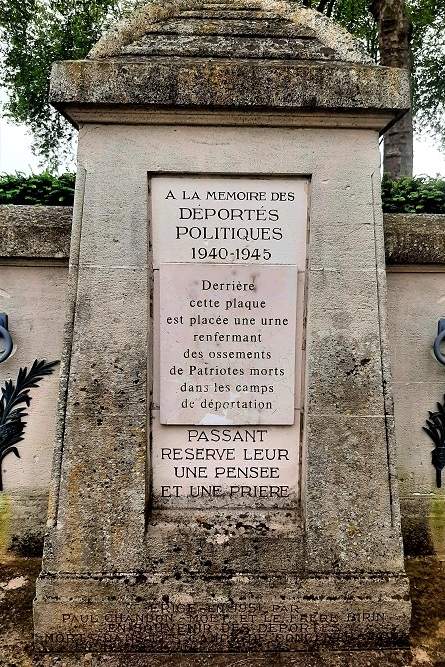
<point x="428" y="47"/>
<point x="35" y="33"/>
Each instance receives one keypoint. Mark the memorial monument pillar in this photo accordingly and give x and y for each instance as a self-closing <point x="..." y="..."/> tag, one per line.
<point x="224" y="474"/>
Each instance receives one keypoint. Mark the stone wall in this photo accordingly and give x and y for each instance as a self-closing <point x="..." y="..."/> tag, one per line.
<point x="34" y="246"/>
<point x="416" y="301"/>
<point x="34" y="243"/>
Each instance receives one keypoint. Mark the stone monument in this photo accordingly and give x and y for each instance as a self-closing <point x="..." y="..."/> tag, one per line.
<point x="224" y="475"/>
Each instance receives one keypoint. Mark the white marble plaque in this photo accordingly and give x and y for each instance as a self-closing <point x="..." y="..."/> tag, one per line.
<point x="227" y="336"/>
<point x="218" y="220"/>
<point x="227" y="362"/>
<point x="225" y="466"/>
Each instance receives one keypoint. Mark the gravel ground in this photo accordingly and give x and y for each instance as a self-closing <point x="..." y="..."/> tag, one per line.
<point x="17" y="587"/>
<point x="427" y="576"/>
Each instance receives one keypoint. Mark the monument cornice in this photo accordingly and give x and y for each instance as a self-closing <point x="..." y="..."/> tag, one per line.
<point x="260" y="92"/>
<point x="303" y="118"/>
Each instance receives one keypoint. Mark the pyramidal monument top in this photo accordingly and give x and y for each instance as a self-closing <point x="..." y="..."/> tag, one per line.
<point x="260" y="29"/>
<point x="239" y="54"/>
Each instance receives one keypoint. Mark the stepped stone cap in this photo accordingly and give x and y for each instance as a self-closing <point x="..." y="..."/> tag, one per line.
<point x="246" y="55"/>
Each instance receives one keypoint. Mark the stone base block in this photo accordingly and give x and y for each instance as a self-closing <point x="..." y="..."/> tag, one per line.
<point x="243" y="613"/>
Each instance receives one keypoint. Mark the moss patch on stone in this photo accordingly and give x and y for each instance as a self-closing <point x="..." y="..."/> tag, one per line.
<point x="4" y="523"/>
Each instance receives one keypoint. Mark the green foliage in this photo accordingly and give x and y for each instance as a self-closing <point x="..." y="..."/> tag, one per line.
<point x="33" y="35"/>
<point x="41" y="189"/>
<point x="355" y="17"/>
<point x="428" y="46"/>
<point x="420" y="194"/>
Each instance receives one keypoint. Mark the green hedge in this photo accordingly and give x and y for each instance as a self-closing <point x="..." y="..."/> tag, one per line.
<point x="39" y="189"/>
<point x="404" y="195"/>
<point x="420" y="194"/>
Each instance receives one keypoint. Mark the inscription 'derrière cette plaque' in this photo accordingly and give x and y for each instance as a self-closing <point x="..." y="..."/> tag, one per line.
<point x="227" y="344"/>
<point x="228" y="252"/>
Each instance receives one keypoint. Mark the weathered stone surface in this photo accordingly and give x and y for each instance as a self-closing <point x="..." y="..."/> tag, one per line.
<point x="45" y="232"/>
<point x="295" y="85"/>
<point x="35" y="231"/>
<point x="319" y="659"/>
<point x="415" y="238"/>
<point x="227" y="25"/>
<point x="314" y="25"/>
<point x="346" y="347"/>
<point x="342" y="538"/>
<point x="218" y="46"/>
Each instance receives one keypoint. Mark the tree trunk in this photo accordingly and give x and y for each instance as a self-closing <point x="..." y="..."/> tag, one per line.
<point x="394" y="29"/>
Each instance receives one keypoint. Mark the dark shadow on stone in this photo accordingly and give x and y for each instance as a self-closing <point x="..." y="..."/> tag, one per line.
<point x="427" y="581"/>
<point x="27" y="545"/>
<point x="416" y="536"/>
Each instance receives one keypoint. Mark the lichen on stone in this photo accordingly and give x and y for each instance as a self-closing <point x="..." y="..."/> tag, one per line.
<point x="133" y="28"/>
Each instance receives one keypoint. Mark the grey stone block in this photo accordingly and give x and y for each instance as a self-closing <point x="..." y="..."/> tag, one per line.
<point x="35" y="231"/>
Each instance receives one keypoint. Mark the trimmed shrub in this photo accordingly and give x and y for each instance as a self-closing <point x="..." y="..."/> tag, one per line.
<point x="420" y="194"/>
<point x="38" y="189"/>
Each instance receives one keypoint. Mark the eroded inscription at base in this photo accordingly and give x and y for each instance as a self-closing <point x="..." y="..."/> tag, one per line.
<point x="224" y="627"/>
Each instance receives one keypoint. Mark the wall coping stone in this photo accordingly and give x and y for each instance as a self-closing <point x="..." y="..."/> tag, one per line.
<point x="35" y="232"/>
<point x="43" y="232"/>
<point x="414" y="238"/>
